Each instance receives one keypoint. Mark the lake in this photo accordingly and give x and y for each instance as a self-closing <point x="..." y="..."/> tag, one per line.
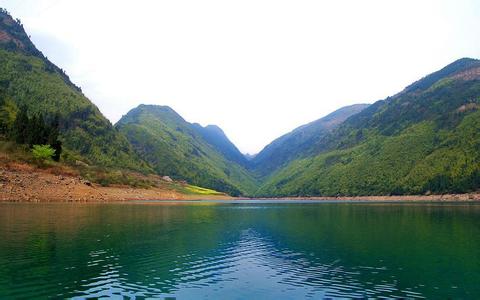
<point x="241" y="250"/>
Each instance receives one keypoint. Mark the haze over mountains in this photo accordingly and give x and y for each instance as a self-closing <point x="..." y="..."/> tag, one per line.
<point x="296" y="143"/>
<point x="425" y="139"/>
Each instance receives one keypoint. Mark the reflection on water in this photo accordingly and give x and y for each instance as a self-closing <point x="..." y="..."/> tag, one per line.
<point x="239" y="251"/>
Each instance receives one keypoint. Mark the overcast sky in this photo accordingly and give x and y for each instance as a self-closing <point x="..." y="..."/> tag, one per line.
<point x="258" y="69"/>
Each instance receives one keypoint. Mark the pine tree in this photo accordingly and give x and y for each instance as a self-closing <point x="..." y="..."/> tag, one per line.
<point x="20" y="126"/>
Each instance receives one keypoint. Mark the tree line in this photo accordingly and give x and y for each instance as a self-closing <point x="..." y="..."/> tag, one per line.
<point x="22" y="127"/>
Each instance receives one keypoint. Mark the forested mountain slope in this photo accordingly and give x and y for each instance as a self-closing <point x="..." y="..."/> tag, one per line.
<point x="298" y="142"/>
<point x="425" y="139"/>
<point x="176" y="148"/>
<point x="28" y="78"/>
<point x="215" y="136"/>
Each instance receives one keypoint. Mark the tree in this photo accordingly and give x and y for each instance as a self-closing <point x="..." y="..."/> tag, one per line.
<point x="53" y="133"/>
<point x="19" y="131"/>
<point x="36" y="130"/>
<point x="43" y="152"/>
<point x="8" y="114"/>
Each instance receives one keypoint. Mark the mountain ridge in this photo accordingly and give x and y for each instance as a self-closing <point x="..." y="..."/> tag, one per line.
<point x="293" y="144"/>
<point x="424" y="139"/>
<point x="177" y="148"/>
<point x="30" y="80"/>
<point x="398" y="145"/>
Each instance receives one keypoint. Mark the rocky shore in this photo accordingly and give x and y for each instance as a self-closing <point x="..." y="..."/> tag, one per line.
<point x="25" y="183"/>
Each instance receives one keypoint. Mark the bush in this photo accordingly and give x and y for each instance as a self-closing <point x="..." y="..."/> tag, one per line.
<point x="43" y="152"/>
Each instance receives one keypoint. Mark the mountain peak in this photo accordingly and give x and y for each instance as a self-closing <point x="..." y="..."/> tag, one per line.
<point x="298" y="142"/>
<point x="463" y="68"/>
<point x="464" y="60"/>
<point x="216" y="137"/>
<point x="215" y="128"/>
<point x="158" y="109"/>
<point x="161" y="112"/>
<point x="13" y="36"/>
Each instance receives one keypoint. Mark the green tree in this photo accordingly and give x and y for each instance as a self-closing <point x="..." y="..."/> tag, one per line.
<point x="35" y="130"/>
<point x="43" y="152"/>
<point x="52" y="139"/>
<point x="20" y="128"/>
<point x="8" y="114"/>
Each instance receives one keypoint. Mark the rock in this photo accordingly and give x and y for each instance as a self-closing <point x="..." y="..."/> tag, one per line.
<point x="80" y="163"/>
<point x="167" y="178"/>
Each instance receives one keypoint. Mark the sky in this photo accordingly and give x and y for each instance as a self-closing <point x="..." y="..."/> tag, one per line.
<point x="256" y="68"/>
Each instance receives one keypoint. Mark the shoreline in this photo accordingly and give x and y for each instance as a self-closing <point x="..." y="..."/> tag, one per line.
<point x="24" y="183"/>
<point x="469" y="197"/>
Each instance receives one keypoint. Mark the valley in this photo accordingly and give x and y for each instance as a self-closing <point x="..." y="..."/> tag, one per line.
<point x="424" y="140"/>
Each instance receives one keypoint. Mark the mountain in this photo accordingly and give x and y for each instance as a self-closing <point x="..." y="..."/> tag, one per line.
<point x="425" y="139"/>
<point x="215" y="136"/>
<point x="181" y="150"/>
<point x="29" y="79"/>
<point x="294" y="144"/>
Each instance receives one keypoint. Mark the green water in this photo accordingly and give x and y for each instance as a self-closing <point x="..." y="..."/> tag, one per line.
<point x="251" y="250"/>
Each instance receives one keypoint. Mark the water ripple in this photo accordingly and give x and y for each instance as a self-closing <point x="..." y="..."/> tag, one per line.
<point x="236" y="252"/>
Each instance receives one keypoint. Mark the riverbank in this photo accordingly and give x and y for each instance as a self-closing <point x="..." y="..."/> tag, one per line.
<point x="406" y="198"/>
<point x="20" y="182"/>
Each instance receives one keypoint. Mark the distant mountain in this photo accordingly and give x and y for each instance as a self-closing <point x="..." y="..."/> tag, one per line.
<point x="30" y="79"/>
<point x="298" y="142"/>
<point x="215" y="136"/>
<point x="174" y="147"/>
<point x="425" y="139"/>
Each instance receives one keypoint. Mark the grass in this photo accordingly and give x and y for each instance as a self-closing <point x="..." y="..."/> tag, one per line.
<point x="196" y="190"/>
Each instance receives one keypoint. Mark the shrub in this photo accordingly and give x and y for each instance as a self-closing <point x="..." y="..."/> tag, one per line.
<point x="43" y="152"/>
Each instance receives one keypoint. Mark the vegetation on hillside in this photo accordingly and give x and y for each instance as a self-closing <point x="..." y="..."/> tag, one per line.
<point x="423" y="140"/>
<point x="215" y="136"/>
<point x="174" y="147"/>
<point x="298" y="142"/>
<point x="28" y="79"/>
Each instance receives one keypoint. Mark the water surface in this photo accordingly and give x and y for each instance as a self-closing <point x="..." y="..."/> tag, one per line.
<point x="242" y="250"/>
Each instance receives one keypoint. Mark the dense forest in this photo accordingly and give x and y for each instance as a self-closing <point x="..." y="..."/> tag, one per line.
<point x="37" y="130"/>
<point x="180" y="149"/>
<point x="423" y="140"/>
<point x="28" y="79"/>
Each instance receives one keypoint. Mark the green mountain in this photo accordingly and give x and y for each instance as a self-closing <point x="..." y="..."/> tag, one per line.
<point x="425" y="139"/>
<point x="296" y="143"/>
<point x="29" y="79"/>
<point x="180" y="149"/>
<point x="215" y="136"/>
